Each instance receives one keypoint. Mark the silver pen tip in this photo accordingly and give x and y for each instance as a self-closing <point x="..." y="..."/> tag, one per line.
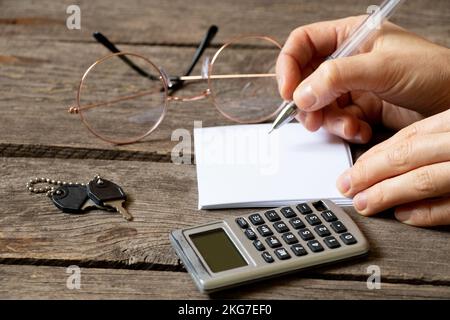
<point x="271" y="130"/>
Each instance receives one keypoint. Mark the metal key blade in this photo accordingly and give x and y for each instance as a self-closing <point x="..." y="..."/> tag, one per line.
<point x="118" y="205"/>
<point x="89" y="204"/>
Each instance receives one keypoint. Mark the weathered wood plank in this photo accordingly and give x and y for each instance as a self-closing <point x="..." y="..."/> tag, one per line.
<point x="32" y="282"/>
<point x="182" y="22"/>
<point x="38" y="85"/>
<point x="163" y="197"/>
<point x="38" y="78"/>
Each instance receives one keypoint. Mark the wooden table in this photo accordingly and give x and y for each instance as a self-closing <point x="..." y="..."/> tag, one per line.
<point x="41" y="62"/>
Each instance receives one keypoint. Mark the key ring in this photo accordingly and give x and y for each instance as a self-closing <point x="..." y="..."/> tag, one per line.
<point x="50" y="190"/>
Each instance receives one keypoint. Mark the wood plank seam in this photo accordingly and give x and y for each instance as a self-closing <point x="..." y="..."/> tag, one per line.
<point x="307" y="274"/>
<point x="10" y="150"/>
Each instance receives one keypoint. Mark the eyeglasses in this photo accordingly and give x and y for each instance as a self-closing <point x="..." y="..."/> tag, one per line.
<point x="124" y="96"/>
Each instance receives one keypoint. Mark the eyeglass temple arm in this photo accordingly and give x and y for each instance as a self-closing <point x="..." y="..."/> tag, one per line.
<point x="75" y="109"/>
<point x="210" y="34"/>
<point x="111" y="47"/>
<point x="206" y="41"/>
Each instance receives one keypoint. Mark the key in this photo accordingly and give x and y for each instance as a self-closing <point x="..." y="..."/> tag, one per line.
<point x="73" y="199"/>
<point x="108" y="194"/>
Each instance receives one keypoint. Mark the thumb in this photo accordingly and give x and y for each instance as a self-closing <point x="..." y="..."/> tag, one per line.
<point x="334" y="78"/>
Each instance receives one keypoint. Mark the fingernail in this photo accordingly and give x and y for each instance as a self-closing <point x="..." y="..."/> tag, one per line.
<point x="358" y="138"/>
<point x="360" y="201"/>
<point x="344" y="183"/>
<point x="338" y="127"/>
<point x="403" y="215"/>
<point x="305" y="97"/>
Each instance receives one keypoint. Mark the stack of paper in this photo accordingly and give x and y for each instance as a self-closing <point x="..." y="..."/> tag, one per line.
<point x="244" y="166"/>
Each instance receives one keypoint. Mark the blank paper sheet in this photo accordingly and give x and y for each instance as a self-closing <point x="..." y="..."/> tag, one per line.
<point x="244" y="166"/>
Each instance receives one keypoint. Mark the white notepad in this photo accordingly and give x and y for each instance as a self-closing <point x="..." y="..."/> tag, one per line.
<point x="242" y="166"/>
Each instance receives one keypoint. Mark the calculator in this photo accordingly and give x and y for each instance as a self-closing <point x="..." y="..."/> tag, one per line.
<point x="238" y="250"/>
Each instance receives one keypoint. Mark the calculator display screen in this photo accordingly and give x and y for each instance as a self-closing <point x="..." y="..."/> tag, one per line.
<point x="218" y="250"/>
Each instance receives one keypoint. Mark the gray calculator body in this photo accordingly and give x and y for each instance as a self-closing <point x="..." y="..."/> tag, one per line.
<point x="228" y="253"/>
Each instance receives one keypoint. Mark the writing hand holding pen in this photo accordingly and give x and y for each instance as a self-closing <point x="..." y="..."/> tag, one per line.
<point x="398" y="79"/>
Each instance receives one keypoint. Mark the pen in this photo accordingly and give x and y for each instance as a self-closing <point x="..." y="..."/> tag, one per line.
<point x="362" y="34"/>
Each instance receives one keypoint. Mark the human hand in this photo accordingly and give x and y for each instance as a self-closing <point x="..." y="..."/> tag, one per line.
<point x="398" y="79"/>
<point x="411" y="170"/>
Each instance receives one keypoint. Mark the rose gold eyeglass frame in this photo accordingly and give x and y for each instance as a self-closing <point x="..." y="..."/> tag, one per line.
<point x="166" y="84"/>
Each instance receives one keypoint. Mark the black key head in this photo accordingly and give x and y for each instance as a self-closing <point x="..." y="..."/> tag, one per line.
<point x="70" y="198"/>
<point x="101" y="190"/>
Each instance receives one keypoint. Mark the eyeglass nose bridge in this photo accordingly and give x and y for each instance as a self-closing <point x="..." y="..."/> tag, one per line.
<point x="169" y="83"/>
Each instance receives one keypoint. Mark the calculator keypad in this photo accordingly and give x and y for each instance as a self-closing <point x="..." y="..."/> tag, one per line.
<point x="250" y="234"/>
<point x="322" y="231"/>
<point x="256" y="219"/>
<point x="281" y="227"/>
<point x="282" y="254"/>
<point x="264" y="231"/>
<point x="289" y="238"/>
<point x="304" y="208"/>
<point x="273" y="242"/>
<point x="296" y="223"/>
<point x="338" y="227"/>
<point x="331" y="242"/>
<point x="267" y="257"/>
<point x="283" y="243"/>
<point x="242" y="223"/>
<point x="315" y="246"/>
<point x="348" y="238"/>
<point x="272" y="216"/>
<point x="259" y="245"/>
<point x="288" y="212"/>
<point x="298" y="250"/>
<point x="329" y="216"/>
<point x="306" y="234"/>
<point x="313" y="219"/>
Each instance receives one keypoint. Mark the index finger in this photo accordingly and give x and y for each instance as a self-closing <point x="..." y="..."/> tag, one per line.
<point x="308" y="43"/>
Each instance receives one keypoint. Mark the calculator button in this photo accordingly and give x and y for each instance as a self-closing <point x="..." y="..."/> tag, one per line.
<point x="305" y="234"/>
<point x="322" y="231"/>
<point x="282" y="254"/>
<point x="272" y="216"/>
<point x="296" y="223"/>
<point x="256" y="219"/>
<point x="288" y="212"/>
<point x="281" y="227"/>
<point x="338" y="227"/>
<point x="328" y="216"/>
<point x="273" y="242"/>
<point x="315" y="246"/>
<point x="267" y="257"/>
<point x="313" y="219"/>
<point x="242" y="223"/>
<point x="348" y="238"/>
<point x="331" y="242"/>
<point x="250" y="234"/>
<point x="264" y="231"/>
<point x="259" y="245"/>
<point x="289" y="238"/>
<point x="304" y="208"/>
<point x="298" y="250"/>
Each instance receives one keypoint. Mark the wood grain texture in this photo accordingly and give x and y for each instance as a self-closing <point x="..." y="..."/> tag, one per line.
<point x="34" y="96"/>
<point x="41" y="62"/>
<point x="28" y="282"/>
<point x="185" y="22"/>
<point x="163" y="197"/>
